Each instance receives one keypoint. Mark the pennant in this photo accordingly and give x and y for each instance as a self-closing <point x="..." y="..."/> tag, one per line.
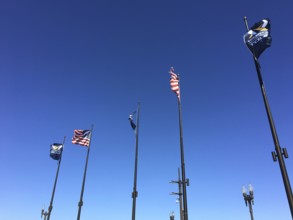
<point x="56" y="151"/>
<point x="81" y="137"/>
<point x="174" y="82"/>
<point x="258" y="38"/>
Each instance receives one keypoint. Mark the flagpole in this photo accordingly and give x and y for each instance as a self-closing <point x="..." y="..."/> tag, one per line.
<point x="278" y="155"/>
<point x="184" y="180"/>
<point x="80" y="204"/>
<point x="55" y="183"/>
<point x="135" y="193"/>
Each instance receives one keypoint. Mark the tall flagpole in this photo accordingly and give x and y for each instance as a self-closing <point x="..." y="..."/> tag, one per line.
<point x="135" y="193"/>
<point x="55" y="183"/>
<point x="80" y="204"/>
<point x="175" y="87"/>
<point x="278" y="155"/>
<point x="184" y="180"/>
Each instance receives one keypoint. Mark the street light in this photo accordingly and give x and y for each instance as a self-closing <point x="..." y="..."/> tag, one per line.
<point x="172" y="216"/>
<point x="248" y="198"/>
<point x="45" y="214"/>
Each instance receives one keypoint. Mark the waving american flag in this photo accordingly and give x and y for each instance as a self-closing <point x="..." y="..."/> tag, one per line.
<point x="174" y="82"/>
<point x="81" y="137"/>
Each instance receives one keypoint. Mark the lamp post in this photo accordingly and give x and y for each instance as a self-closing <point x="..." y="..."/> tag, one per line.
<point x="179" y="200"/>
<point x="248" y="198"/>
<point x="45" y="214"/>
<point x="172" y="216"/>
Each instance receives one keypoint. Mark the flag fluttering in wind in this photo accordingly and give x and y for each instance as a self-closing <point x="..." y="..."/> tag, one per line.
<point x="81" y="137"/>
<point x="132" y="124"/>
<point x="174" y="82"/>
<point x="135" y="127"/>
<point x="56" y="151"/>
<point x="258" y="38"/>
<point x="175" y="87"/>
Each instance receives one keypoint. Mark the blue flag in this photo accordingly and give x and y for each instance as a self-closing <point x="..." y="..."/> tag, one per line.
<point x="132" y="124"/>
<point x="56" y="151"/>
<point x="258" y="38"/>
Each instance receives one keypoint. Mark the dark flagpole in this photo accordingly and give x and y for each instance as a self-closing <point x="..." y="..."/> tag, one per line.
<point x="278" y="155"/>
<point x="135" y="193"/>
<point x="84" y="176"/>
<point x="55" y="183"/>
<point x="184" y="180"/>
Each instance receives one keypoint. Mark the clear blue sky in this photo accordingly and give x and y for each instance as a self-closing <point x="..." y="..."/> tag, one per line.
<point x="65" y="65"/>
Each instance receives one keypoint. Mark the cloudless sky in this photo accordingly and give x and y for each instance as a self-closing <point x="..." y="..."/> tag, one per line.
<point x="66" y="65"/>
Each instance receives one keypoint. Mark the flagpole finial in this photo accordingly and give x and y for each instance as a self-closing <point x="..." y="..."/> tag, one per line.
<point x="246" y="23"/>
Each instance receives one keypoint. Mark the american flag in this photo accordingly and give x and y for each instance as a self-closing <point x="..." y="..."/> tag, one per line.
<point x="174" y="82"/>
<point x="81" y="137"/>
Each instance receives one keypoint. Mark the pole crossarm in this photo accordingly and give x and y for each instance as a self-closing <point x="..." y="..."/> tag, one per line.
<point x="174" y="181"/>
<point x="174" y="193"/>
<point x="283" y="152"/>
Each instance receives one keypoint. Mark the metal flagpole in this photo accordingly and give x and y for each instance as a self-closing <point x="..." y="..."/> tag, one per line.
<point x="184" y="180"/>
<point x="84" y="176"/>
<point x="53" y="193"/>
<point x="135" y="193"/>
<point x="278" y="155"/>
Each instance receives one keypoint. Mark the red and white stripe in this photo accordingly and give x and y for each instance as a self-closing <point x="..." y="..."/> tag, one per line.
<point x="174" y="82"/>
<point x="81" y="137"/>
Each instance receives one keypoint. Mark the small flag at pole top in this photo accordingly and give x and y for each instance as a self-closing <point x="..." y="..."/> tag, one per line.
<point x="56" y="151"/>
<point x="132" y="124"/>
<point x="174" y="82"/>
<point x="258" y="38"/>
<point x="81" y="137"/>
